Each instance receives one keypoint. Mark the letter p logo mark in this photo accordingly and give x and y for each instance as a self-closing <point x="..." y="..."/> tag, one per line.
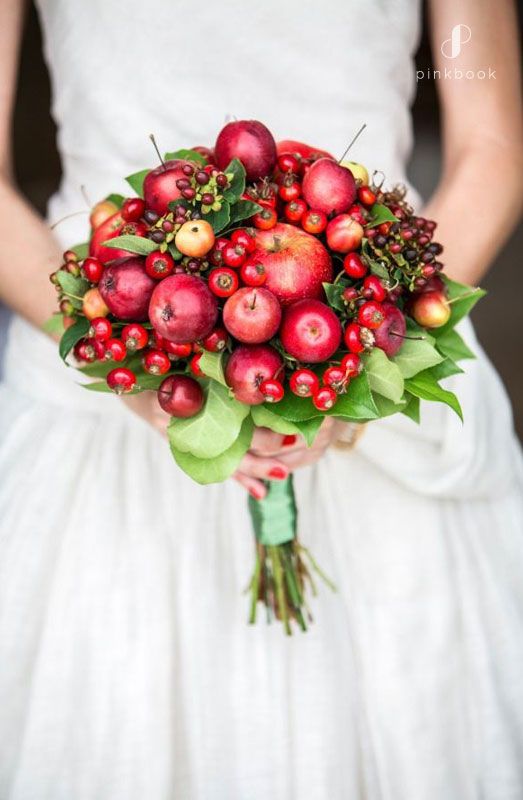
<point x="461" y="34"/>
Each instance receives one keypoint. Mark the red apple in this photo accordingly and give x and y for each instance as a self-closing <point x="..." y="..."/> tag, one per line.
<point x="296" y="263"/>
<point x="389" y="336"/>
<point x="329" y="187"/>
<point x="430" y="309"/>
<point x="248" y="367"/>
<point x="108" y="229"/>
<point x="159" y="186"/>
<point x="344" y="233"/>
<point x="252" y="143"/>
<point x="182" y="308"/>
<point x="126" y="288"/>
<point x="180" y="396"/>
<point x="310" y="331"/>
<point x="434" y="284"/>
<point x="301" y="149"/>
<point x="252" y="315"/>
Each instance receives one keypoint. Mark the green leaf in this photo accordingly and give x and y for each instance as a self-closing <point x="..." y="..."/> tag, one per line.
<point x="136" y="180"/>
<point x="144" y="383"/>
<point x="243" y="209"/>
<point x="386" y="407"/>
<point x="295" y="409"/>
<point x="173" y="250"/>
<point x="426" y="387"/>
<point x="333" y="292"/>
<point x="378" y="269"/>
<point x="380" y="213"/>
<point x="54" y="325"/>
<point x="237" y="183"/>
<point x="214" y="429"/>
<point x="186" y="155"/>
<point x="264" y="417"/>
<point x="452" y="345"/>
<point x="358" y="403"/>
<point x="72" y="285"/>
<point x="117" y="199"/>
<point x="72" y="335"/>
<point x="416" y="355"/>
<point x="133" y="244"/>
<point x="81" y="250"/>
<point x="221" y="467"/>
<point x="309" y="429"/>
<point x="218" y="219"/>
<point x="212" y="365"/>
<point x="445" y="369"/>
<point x="384" y="376"/>
<point x="412" y="409"/>
<point x="462" y="299"/>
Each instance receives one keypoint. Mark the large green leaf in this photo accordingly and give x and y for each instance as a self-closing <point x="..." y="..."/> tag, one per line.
<point x="243" y="209"/>
<point x="219" y="468"/>
<point x="73" y="286"/>
<point x="358" y="403"/>
<point x="386" y="407"/>
<point x="186" y="155"/>
<point x="133" y="244"/>
<point x="426" y="387"/>
<point x="380" y="213"/>
<point x="416" y="355"/>
<point x="309" y="429"/>
<point x="212" y="365"/>
<point x="445" y="369"/>
<point x="218" y="219"/>
<point x="237" y="182"/>
<point x="452" y="345"/>
<point x="117" y="199"/>
<point x="264" y="417"/>
<point x="214" y="429"/>
<point x="412" y="409"/>
<point x="73" y="335"/>
<point x="384" y="376"/>
<point x="333" y="293"/>
<point x="462" y="300"/>
<point x="136" y="180"/>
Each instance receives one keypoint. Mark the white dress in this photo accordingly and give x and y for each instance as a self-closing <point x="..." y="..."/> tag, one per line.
<point x="127" y="669"/>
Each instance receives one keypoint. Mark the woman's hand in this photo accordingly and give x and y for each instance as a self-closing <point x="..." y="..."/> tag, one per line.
<point x="275" y="456"/>
<point x="272" y="456"/>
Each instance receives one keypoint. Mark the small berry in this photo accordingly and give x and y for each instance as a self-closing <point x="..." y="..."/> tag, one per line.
<point x="222" y="180"/>
<point x="178" y="349"/>
<point x="272" y="390"/>
<point x="133" y="209"/>
<point x="253" y="273"/>
<point x="265" y="219"/>
<point x="304" y="383"/>
<point x="151" y="216"/>
<point x="314" y="222"/>
<point x="207" y="199"/>
<point x="366" y="196"/>
<point x="201" y="178"/>
<point x="84" y="351"/>
<point x="336" y="378"/>
<point x="101" y="329"/>
<point x="223" y="281"/>
<point x="194" y="366"/>
<point x="354" y="266"/>
<point x="289" y="191"/>
<point x="216" y="340"/>
<point x="244" y="239"/>
<point x="373" y="289"/>
<point x="356" y="212"/>
<point x="350" y="294"/>
<point x="371" y="315"/>
<point x="353" y="338"/>
<point x="121" y="380"/>
<point x="92" y="269"/>
<point x="135" y="336"/>
<point x="115" y="350"/>
<point x="325" y="398"/>
<point x="233" y="255"/>
<point x="156" y="362"/>
<point x="288" y="162"/>
<point x="159" y="265"/>
<point x="188" y="169"/>
<point x="295" y="210"/>
<point x="351" y="365"/>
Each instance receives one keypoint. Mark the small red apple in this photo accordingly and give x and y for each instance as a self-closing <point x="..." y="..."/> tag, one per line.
<point x="310" y="331"/>
<point x="182" y="308"/>
<point x="108" y="229"/>
<point x="252" y="143"/>
<point x="329" y="187"/>
<point x="430" y="309"/>
<point x="126" y="288"/>
<point x="252" y="315"/>
<point x="180" y="396"/>
<point x="389" y="335"/>
<point x="344" y="233"/>
<point x="296" y="263"/>
<point x="301" y="149"/>
<point x="248" y="367"/>
<point x="100" y="212"/>
<point x="159" y="186"/>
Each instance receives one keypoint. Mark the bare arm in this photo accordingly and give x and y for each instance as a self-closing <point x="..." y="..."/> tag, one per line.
<point x="29" y="252"/>
<point x="479" y="198"/>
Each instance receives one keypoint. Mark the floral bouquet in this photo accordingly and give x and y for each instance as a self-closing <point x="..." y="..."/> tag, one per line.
<point x="262" y="284"/>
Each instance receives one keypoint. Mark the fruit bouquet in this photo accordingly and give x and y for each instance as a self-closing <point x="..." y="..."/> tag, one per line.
<point x="262" y="284"/>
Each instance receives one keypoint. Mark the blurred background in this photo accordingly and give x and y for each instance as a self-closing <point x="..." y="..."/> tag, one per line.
<point x="498" y="316"/>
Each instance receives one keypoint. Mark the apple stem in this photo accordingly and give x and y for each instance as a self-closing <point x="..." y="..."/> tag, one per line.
<point x="153" y="140"/>
<point x="352" y="141"/>
<point x="253" y="299"/>
<point x="67" y="216"/>
<point x="412" y="338"/>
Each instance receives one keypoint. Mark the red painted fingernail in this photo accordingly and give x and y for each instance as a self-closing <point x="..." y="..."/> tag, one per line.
<point x="256" y="493"/>
<point x="289" y="440"/>
<point x="278" y="472"/>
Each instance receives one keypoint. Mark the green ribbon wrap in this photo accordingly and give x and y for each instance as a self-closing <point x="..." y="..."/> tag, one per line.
<point x="275" y="517"/>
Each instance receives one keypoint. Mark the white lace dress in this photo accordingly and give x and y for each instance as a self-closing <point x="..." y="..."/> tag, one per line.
<point x="127" y="670"/>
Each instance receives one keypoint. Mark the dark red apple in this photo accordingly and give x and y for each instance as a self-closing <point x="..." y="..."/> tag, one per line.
<point x="389" y="336"/>
<point x="310" y="331"/>
<point x="248" y="367"/>
<point x="109" y="229"/>
<point x="301" y="149"/>
<point x="329" y="187"/>
<point x="344" y="233"/>
<point x="159" y="186"/>
<point x="126" y="288"/>
<point x="180" y="396"/>
<point x="434" y="284"/>
<point x="182" y="308"/>
<point x="296" y="263"/>
<point x="430" y="309"/>
<point x="252" y="315"/>
<point x="251" y="142"/>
